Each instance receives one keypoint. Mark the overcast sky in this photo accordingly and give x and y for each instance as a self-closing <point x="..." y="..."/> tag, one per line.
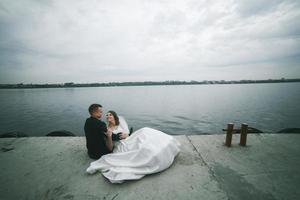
<point x="43" y="41"/>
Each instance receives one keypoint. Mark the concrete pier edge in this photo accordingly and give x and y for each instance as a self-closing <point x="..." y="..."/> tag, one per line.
<point x="54" y="168"/>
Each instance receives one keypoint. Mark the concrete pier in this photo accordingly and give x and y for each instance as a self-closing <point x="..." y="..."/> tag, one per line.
<point x="54" y="168"/>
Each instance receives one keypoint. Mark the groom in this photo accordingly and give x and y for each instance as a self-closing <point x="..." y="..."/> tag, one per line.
<point x="98" y="138"/>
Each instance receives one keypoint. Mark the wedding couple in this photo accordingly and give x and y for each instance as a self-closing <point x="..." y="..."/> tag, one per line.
<point x="122" y="157"/>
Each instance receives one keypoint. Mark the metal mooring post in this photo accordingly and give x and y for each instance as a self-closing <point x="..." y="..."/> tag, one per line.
<point x="229" y="134"/>
<point x="244" y="131"/>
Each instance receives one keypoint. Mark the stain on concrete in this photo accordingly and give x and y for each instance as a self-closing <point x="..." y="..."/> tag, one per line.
<point x="236" y="186"/>
<point x="55" y="193"/>
<point x="69" y="196"/>
<point x="5" y="149"/>
<point x="185" y="158"/>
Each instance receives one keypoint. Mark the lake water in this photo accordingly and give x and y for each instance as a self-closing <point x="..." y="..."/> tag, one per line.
<point x="184" y="109"/>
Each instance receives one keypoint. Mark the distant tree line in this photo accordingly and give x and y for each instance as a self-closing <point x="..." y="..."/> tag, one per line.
<point x="144" y="83"/>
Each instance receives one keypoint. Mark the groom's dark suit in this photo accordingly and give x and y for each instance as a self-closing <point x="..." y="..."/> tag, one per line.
<point x="95" y="137"/>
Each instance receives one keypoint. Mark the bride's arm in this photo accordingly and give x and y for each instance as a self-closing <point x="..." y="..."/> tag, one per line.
<point x="109" y="142"/>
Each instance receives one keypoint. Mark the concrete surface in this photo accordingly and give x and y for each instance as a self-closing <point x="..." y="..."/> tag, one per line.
<point x="54" y="168"/>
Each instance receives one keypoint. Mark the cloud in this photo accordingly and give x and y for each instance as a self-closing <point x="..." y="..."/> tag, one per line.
<point x="102" y="41"/>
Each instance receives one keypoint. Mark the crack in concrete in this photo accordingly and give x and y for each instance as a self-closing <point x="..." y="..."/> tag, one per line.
<point x="115" y="196"/>
<point x="194" y="148"/>
<point x="210" y="169"/>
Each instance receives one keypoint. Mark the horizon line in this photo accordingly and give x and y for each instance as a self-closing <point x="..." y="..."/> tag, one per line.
<point x="165" y="81"/>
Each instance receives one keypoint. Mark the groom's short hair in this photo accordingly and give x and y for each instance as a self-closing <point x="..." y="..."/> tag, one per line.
<point x="93" y="107"/>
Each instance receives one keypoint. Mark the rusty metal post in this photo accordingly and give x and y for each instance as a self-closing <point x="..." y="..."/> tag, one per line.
<point x="244" y="131"/>
<point x="229" y="134"/>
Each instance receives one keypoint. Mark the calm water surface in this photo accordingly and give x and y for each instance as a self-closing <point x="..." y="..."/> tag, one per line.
<point x="186" y="109"/>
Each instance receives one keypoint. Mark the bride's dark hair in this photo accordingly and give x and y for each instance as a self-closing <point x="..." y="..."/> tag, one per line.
<point x="117" y="121"/>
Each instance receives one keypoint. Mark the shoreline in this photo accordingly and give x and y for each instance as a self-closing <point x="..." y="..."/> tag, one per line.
<point x="70" y="134"/>
<point x="178" y="135"/>
<point x="192" y="134"/>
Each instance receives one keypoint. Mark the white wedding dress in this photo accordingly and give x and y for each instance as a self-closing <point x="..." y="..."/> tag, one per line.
<point x="145" y="151"/>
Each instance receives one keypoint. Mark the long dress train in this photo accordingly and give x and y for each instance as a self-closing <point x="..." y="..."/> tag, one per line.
<point x="146" y="151"/>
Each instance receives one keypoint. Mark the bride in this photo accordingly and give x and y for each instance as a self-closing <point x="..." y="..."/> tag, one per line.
<point x="145" y="151"/>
